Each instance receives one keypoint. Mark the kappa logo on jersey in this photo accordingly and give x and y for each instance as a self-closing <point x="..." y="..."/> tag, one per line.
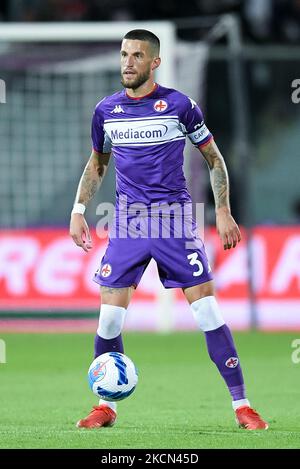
<point x="117" y="109"/>
<point x="232" y="362"/>
<point x="106" y="270"/>
<point x="160" y="105"/>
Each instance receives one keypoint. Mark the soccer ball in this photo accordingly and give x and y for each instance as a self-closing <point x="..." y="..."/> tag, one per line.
<point x="112" y="376"/>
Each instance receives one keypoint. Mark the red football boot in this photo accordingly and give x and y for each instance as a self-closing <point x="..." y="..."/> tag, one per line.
<point x="100" y="416"/>
<point x="248" y="418"/>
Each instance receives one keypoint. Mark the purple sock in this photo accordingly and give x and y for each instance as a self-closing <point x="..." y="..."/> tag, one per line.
<point x="223" y="353"/>
<point x="108" y="345"/>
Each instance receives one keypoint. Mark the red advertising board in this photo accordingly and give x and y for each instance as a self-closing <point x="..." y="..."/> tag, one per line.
<point x="42" y="269"/>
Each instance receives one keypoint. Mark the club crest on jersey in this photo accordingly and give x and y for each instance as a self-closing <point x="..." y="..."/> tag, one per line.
<point x="106" y="270"/>
<point x="160" y="105"/>
<point x="232" y="362"/>
<point x="117" y="109"/>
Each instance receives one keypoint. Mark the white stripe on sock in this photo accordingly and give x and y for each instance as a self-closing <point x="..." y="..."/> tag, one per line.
<point x="240" y="403"/>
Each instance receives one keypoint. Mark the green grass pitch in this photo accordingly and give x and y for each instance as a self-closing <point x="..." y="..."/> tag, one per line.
<point x="180" y="401"/>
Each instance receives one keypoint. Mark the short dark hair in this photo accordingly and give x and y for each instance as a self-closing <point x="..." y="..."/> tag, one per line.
<point x="144" y="35"/>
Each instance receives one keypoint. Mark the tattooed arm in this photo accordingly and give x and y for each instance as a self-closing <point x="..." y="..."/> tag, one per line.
<point x="92" y="177"/>
<point x="226" y="226"/>
<point x="89" y="183"/>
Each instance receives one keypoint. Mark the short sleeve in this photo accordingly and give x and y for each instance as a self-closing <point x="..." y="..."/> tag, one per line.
<point x="194" y="125"/>
<point x="100" y="140"/>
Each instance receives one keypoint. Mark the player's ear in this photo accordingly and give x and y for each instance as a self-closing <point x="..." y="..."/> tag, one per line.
<point x="156" y="63"/>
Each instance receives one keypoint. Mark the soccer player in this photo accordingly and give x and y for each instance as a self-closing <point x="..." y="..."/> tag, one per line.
<point x="145" y="126"/>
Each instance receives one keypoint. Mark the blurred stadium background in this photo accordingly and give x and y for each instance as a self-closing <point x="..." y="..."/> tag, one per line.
<point x="239" y="60"/>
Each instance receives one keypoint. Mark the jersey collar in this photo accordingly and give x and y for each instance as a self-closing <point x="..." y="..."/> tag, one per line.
<point x="142" y="97"/>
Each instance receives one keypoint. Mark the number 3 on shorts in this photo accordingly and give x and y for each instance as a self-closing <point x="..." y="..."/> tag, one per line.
<point x="195" y="261"/>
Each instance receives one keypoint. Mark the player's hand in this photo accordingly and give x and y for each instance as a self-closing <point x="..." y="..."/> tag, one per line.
<point x="227" y="228"/>
<point x="80" y="232"/>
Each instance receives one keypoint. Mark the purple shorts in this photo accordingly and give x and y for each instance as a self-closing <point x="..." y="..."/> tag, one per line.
<point x="181" y="261"/>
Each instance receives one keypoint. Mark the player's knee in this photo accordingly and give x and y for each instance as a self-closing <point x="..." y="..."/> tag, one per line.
<point x="111" y="321"/>
<point x="207" y="313"/>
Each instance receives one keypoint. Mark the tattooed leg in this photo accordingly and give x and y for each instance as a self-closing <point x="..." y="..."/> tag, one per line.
<point x="116" y="296"/>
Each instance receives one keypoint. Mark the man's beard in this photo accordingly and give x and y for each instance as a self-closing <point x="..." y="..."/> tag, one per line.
<point x="139" y="81"/>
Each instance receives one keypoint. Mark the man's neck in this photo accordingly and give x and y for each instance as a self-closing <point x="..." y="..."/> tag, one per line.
<point x="143" y="90"/>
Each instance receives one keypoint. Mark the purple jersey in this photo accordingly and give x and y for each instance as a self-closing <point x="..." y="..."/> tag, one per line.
<point x="147" y="137"/>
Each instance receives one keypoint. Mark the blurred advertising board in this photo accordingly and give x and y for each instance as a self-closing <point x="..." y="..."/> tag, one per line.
<point x="42" y="270"/>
